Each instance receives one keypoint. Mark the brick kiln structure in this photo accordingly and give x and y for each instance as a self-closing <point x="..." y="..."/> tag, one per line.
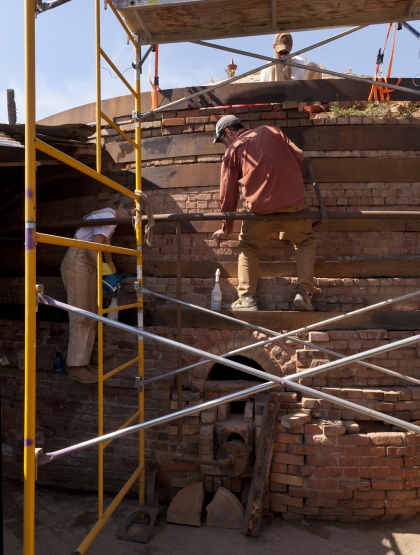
<point x="328" y="463"/>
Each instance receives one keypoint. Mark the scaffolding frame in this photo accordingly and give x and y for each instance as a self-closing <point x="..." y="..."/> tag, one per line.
<point x="32" y="144"/>
<point x="34" y="292"/>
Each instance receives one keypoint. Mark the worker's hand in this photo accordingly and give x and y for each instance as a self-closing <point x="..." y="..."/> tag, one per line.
<point x="219" y="234"/>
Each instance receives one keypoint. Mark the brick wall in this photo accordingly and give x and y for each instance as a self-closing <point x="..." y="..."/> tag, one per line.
<point x="337" y="465"/>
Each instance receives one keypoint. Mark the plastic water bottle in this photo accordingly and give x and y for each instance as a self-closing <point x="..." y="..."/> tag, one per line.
<point x="58" y="363"/>
<point x="216" y="294"/>
<point x="113" y="315"/>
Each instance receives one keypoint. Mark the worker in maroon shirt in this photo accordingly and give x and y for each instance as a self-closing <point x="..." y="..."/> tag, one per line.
<point x="267" y="165"/>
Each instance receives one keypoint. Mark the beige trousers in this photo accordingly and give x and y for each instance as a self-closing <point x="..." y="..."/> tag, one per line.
<point x="79" y="277"/>
<point x="252" y="239"/>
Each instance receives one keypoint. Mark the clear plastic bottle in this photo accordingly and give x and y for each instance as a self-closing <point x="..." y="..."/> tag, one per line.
<point x="216" y="294"/>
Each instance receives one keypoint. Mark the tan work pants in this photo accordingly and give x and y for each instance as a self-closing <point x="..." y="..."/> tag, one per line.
<point x="79" y="277"/>
<point x="252" y="239"/>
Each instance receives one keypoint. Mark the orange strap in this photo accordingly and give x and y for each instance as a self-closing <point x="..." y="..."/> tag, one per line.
<point x="384" y="93"/>
<point x="155" y="88"/>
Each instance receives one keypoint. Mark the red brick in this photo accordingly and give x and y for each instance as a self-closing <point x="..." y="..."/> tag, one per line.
<point x="173" y="121"/>
<point x="413" y="483"/>
<point x="321" y="461"/>
<point x="281" y="468"/>
<point x="287" y="458"/>
<point x="369" y="452"/>
<point x="323" y="484"/>
<point x="387" y="461"/>
<point x="354" y="439"/>
<point x="388" y="485"/>
<point x="399" y="495"/>
<point x="289" y="439"/>
<point x="302" y="449"/>
<point x="369" y="495"/>
<point x="386" y="438"/>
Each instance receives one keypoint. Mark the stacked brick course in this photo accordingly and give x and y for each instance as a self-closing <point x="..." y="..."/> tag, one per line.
<point x="328" y="463"/>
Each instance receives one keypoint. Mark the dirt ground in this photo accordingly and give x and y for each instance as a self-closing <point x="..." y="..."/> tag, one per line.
<point x="63" y="519"/>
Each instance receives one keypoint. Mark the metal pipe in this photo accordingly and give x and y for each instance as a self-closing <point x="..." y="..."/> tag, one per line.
<point x="146" y="55"/>
<point x="29" y="461"/>
<point x="48" y="457"/>
<point x="179" y="329"/>
<point x="108" y="512"/>
<point x="215" y="216"/>
<point x="302" y="66"/>
<point x="271" y="61"/>
<point x="268" y="58"/>
<point x="278" y="337"/>
<point x="139" y="262"/>
<point x="45" y="299"/>
<point x="58" y="155"/>
<point x="203" y="91"/>
<point x="66" y="242"/>
<point x="411" y="29"/>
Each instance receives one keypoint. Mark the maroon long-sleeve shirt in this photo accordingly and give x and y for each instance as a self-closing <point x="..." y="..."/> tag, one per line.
<point x="266" y="164"/>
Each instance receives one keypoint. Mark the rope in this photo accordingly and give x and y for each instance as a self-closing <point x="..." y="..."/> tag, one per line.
<point x="144" y="208"/>
<point x="384" y="92"/>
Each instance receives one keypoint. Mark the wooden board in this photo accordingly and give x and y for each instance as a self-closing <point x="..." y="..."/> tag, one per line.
<point x="322" y="138"/>
<point x="260" y="474"/>
<point x="339" y="269"/>
<point x="278" y="321"/>
<point x="327" y="170"/>
<point x="171" y="22"/>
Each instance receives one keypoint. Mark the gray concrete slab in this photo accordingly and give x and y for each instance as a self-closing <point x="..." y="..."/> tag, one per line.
<point x="63" y="518"/>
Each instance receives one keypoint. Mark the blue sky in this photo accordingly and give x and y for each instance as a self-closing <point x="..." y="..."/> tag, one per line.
<point x="65" y="67"/>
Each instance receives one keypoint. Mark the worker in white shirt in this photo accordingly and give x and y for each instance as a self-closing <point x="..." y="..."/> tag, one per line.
<point x="78" y="271"/>
<point x="282" y="45"/>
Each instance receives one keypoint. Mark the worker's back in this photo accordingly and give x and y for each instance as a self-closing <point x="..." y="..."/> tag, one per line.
<point x="268" y="166"/>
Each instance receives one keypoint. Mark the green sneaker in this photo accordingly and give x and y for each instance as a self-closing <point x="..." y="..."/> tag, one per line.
<point x="243" y="304"/>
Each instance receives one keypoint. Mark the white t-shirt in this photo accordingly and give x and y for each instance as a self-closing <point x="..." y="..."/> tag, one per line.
<point x="281" y="72"/>
<point x="88" y="233"/>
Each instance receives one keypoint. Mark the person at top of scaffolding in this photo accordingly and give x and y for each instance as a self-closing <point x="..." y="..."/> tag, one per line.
<point x="267" y="166"/>
<point x="282" y="46"/>
<point x="78" y="271"/>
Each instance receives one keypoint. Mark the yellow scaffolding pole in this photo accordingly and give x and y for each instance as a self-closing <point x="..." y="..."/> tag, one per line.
<point x="139" y="245"/>
<point x="29" y="464"/>
<point x="31" y="239"/>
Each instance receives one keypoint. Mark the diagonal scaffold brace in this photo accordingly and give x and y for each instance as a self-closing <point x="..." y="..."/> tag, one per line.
<point x="273" y="382"/>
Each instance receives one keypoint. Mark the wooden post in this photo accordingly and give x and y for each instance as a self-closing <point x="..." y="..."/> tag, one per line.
<point x="11" y="106"/>
<point x="253" y="513"/>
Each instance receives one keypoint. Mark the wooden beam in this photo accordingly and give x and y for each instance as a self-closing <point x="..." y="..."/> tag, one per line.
<point x="328" y="170"/>
<point x="261" y="472"/>
<point x="278" y="321"/>
<point x="339" y="269"/>
<point x="319" y="138"/>
<point x="329" y="225"/>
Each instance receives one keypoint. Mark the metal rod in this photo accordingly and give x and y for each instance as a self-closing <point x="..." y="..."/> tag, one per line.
<point x="276" y="380"/>
<point x="58" y="155"/>
<point x="361" y="362"/>
<point x="45" y="299"/>
<point x="348" y="404"/>
<point x="65" y="242"/>
<point x="147" y="54"/>
<point x="271" y="61"/>
<point x="203" y="91"/>
<point x="411" y="29"/>
<point x="29" y="429"/>
<point x="139" y="262"/>
<point x="278" y="337"/>
<point x="215" y="216"/>
<point x="268" y="58"/>
<point x="108" y="512"/>
<point x="302" y="66"/>
<point x="179" y="328"/>
<point x="48" y="457"/>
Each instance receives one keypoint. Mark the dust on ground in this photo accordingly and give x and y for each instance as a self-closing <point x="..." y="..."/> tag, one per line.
<point x="63" y="519"/>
